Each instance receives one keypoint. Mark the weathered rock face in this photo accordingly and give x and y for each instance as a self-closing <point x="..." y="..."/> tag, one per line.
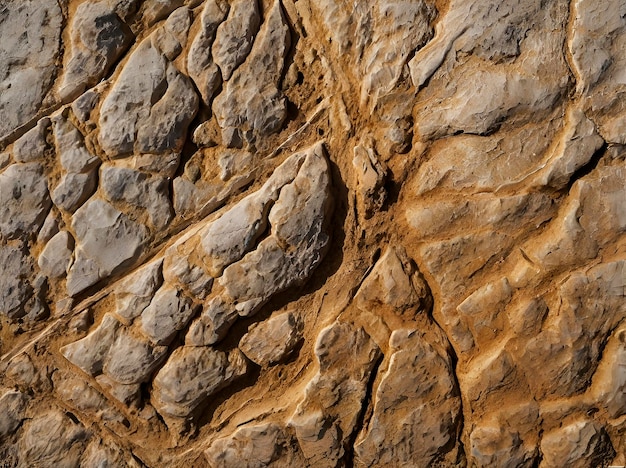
<point x="312" y="233"/>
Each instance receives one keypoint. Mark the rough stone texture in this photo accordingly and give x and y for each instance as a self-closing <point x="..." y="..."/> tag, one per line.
<point x="312" y="233"/>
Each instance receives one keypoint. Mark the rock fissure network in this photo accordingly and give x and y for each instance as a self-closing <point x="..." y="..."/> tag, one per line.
<point x="317" y="233"/>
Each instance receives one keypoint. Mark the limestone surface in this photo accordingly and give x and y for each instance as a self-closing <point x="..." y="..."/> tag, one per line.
<point x="312" y="233"/>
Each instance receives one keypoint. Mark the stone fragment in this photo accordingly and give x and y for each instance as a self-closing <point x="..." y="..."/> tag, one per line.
<point x="172" y="37"/>
<point x="24" y="199"/>
<point x="168" y="312"/>
<point x="55" y="259"/>
<point x="212" y="324"/>
<point x="234" y="233"/>
<point x="103" y="455"/>
<point x="15" y="288"/>
<point x="482" y="308"/>
<point x="12" y="409"/>
<point x="326" y="417"/>
<point x="251" y="101"/>
<point x="508" y="437"/>
<point x="28" y="55"/>
<point x="234" y="36"/>
<point x="32" y="145"/>
<point x="297" y="243"/>
<point x="106" y="238"/>
<point x="609" y="382"/>
<point x="191" y="375"/>
<point x="392" y="286"/>
<point x="202" y="69"/>
<point x="417" y="406"/>
<point x="49" y="228"/>
<point x="165" y="127"/>
<point x="97" y="38"/>
<point x="597" y="47"/>
<point x="128" y="394"/>
<point x="254" y="445"/>
<point x="82" y="396"/>
<point x="70" y="145"/>
<point x="139" y="189"/>
<point x="52" y="439"/>
<point x="576" y="148"/>
<point x="156" y="10"/>
<point x="577" y="444"/>
<point x="397" y="30"/>
<point x="149" y="107"/>
<point x="90" y="352"/>
<point x="135" y="292"/>
<point x="590" y="305"/>
<point x="131" y="358"/>
<point x="271" y="341"/>
<point x="180" y="267"/>
<point x="73" y="190"/>
<point x="83" y="106"/>
<point x="370" y="175"/>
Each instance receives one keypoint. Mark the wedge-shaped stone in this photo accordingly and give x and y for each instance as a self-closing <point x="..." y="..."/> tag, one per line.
<point x="417" y="406"/>
<point x="56" y="257"/>
<point x="24" y="199"/>
<point x="135" y="292"/>
<point x="52" y="439"/>
<point x="90" y="352"/>
<point x="31" y="32"/>
<point x="97" y="38"/>
<point x="326" y="417"/>
<point x="140" y="189"/>
<point x="234" y="37"/>
<point x="131" y="358"/>
<point x="15" y="288"/>
<point x="106" y="238"/>
<point x="253" y="446"/>
<point x="191" y="375"/>
<point x="12" y="411"/>
<point x="168" y="312"/>
<point x="251" y="101"/>
<point x="149" y="106"/>
<point x="578" y="444"/>
<point x="200" y="64"/>
<point x="271" y="341"/>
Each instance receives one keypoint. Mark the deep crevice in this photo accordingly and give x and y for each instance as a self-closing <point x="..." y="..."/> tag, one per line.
<point x="587" y="168"/>
<point x="366" y="409"/>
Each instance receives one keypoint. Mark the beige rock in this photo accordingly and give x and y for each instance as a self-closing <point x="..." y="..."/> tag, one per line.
<point x="32" y="145"/>
<point x="24" y="199"/>
<point x="168" y="312"/>
<point x="12" y="412"/>
<point x="56" y="257"/>
<point x="139" y="189"/>
<point x="271" y="341"/>
<point x="326" y="417"/>
<point x="131" y="359"/>
<point x="52" y="438"/>
<point x="97" y="38"/>
<point x="16" y="288"/>
<point x="254" y="445"/>
<point x="235" y="35"/>
<point x="193" y="374"/>
<point x="105" y="238"/>
<point x="148" y="108"/>
<point x="136" y="291"/>
<point x="252" y="102"/>
<point x="200" y="64"/>
<point x="579" y="443"/>
<point x="27" y="57"/>
<point x="370" y="175"/>
<point x="90" y="352"/>
<point x="416" y="408"/>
